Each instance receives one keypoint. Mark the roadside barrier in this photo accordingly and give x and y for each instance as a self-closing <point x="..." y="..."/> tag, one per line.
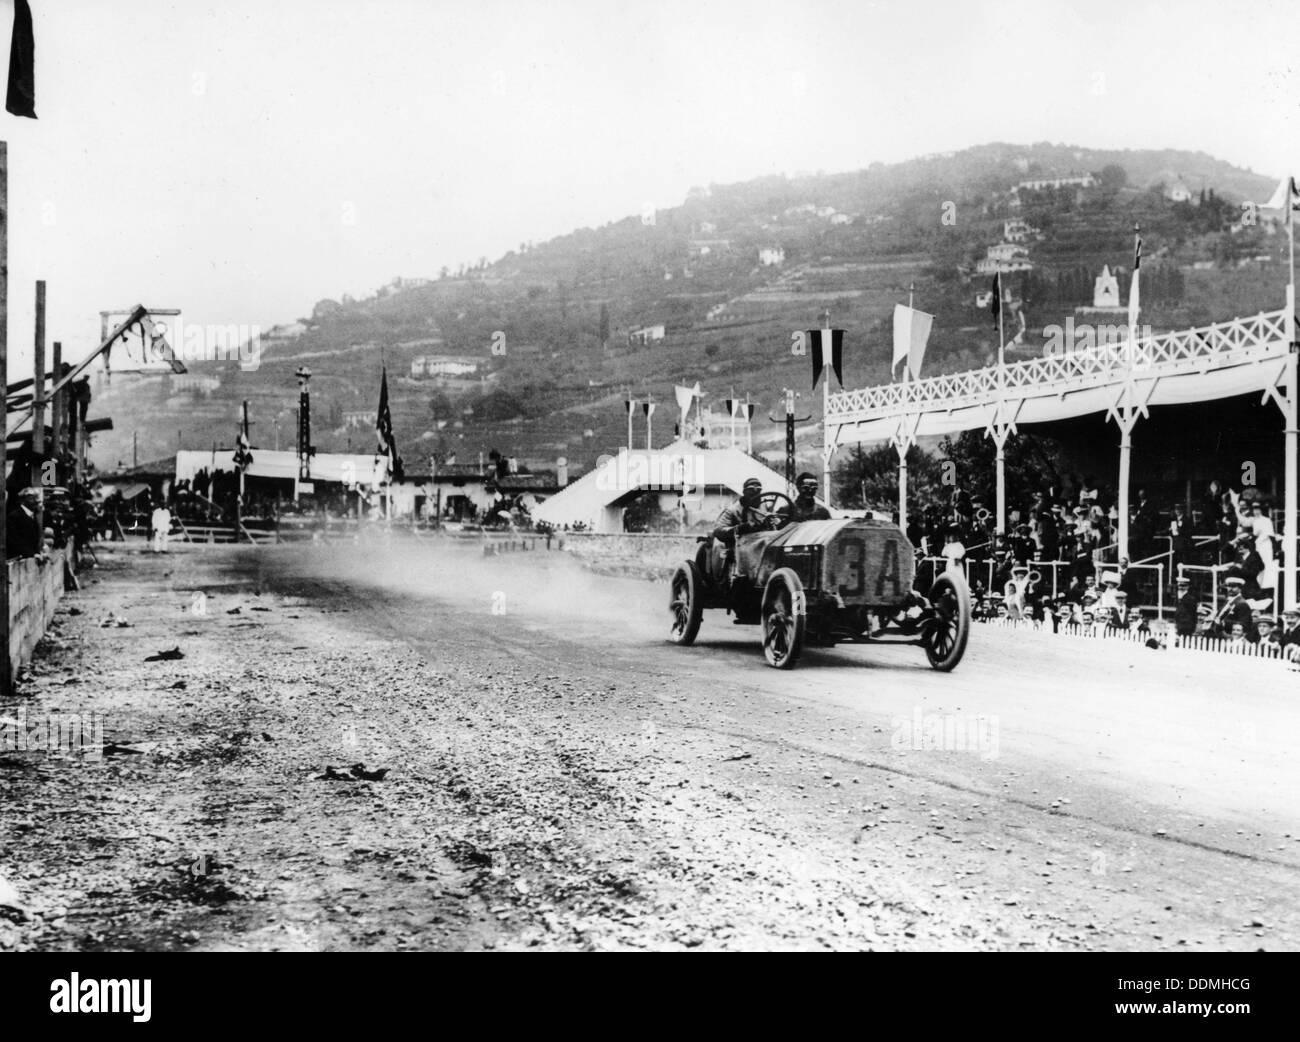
<point x="1164" y="636"/>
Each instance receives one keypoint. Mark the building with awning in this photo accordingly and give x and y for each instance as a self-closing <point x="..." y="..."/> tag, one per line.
<point x="1120" y="383"/>
<point x="340" y="468"/>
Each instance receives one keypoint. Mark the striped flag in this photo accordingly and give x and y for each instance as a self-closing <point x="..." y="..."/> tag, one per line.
<point x="911" y="333"/>
<point x="827" y="349"/>
<point x="1134" y="296"/>
<point x="20" y="99"/>
<point x="384" y="430"/>
<point x="648" y="408"/>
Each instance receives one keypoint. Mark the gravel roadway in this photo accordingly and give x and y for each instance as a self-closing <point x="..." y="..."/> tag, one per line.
<point x="559" y="777"/>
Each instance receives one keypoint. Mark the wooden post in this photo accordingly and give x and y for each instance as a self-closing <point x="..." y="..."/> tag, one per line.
<point x="5" y="680"/>
<point x="57" y="405"/>
<point x="902" y="486"/>
<point x="38" y="415"/>
<point x="1291" y="513"/>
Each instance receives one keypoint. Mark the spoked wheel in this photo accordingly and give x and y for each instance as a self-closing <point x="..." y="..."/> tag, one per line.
<point x="684" y="604"/>
<point x="784" y="619"/>
<point x="947" y="628"/>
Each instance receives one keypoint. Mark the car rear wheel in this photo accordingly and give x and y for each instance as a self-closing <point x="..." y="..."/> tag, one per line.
<point x="947" y="628"/>
<point x="684" y="604"/>
<point x="784" y="616"/>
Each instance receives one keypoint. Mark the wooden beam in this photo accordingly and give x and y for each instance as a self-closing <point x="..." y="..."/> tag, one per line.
<point x="6" y="687"/>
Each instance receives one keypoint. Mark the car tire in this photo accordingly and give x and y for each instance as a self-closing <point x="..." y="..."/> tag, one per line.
<point x="784" y="617"/>
<point x="947" y="628"/>
<point x="685" y="604"/>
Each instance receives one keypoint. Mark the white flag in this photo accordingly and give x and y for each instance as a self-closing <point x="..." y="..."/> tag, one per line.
<point x="911" y="333"/>
<point x="1286" y="187"/>
<point x="1134" y="298"/>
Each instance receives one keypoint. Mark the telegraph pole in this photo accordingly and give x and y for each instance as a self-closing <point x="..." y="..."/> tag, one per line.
<point x="304" y="429"/>
<point x="38" y="416"/>
<point x="789" y="420"/>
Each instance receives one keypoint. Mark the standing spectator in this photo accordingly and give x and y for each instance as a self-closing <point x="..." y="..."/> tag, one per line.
<point x="1142" y="523"/>
<point x="1226" y="528"/>
<point x="1185" y="616"/>
<point x="1180" y="531"/>
<point x="1128" y="581"/>
<point x="1235" y="610"/>
<point x="161" y="523"/>
<point x="22" y="537"/>
<point x="953" y="550"/>
<point x="1260" y="526"/>
<point x="1264" y="627"/>
<point x="1049" y="533"/>
<point x="1248" y="566"/>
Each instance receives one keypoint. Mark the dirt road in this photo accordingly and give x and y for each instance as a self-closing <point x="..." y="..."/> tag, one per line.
<point x="560" y="777"/>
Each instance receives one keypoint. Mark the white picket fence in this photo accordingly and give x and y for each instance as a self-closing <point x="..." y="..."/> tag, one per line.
<point x="1167" y="638"/>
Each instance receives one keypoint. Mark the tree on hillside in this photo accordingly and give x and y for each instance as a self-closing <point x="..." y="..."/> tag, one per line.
<point x="604" y="325"/>
<point x="1033" y="463"/>
<point x="868" y="479"/>
<point x="1113" y="176"/>
<point x="440" y="407"/>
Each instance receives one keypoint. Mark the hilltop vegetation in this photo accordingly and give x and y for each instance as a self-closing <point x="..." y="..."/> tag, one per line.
<point x="548" y="324"/>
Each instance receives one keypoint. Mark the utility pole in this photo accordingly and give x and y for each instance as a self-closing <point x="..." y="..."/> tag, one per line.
<point x="789" y="420"/>
<point x="38" y="416"/>
<point x="304" y="428"/>
<point x="56" y="412"/>
<point x="4" y="385"/>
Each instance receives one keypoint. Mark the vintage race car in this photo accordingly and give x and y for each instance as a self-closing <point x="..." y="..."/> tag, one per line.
<point x="822" y="583"/>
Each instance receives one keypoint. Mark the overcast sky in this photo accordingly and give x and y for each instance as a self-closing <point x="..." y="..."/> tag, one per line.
<point x="242" y="160"/>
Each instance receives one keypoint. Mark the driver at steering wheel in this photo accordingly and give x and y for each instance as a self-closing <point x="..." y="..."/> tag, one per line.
<point x="744" y="516"/>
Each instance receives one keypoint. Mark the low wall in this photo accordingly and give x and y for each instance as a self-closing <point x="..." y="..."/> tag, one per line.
<point x="641" y="556"/>
<point x="34" y="592"/>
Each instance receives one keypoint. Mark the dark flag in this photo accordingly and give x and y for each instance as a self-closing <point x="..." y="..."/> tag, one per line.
<point x="995" y="305"/>
<point x="21" y="97"/>
<point x="827" y="349"/>
<point x="1134" y="293"/>
<point x="384" y="430"/>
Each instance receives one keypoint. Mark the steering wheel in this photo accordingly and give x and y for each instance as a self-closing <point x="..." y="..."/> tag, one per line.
<point x="768" y="502"/>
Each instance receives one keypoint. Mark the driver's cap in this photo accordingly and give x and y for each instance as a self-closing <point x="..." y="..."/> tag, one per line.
<point x="752" y="483"/>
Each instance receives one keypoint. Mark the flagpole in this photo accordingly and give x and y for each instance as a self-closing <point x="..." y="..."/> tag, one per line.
<point x="732" y="405"/>
<point x="828" y="366"/>
<point x="1001" y="441"/>
<point x="1291" y="521"/>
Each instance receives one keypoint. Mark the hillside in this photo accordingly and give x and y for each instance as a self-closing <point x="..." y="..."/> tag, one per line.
<point x="850" y="244"/>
